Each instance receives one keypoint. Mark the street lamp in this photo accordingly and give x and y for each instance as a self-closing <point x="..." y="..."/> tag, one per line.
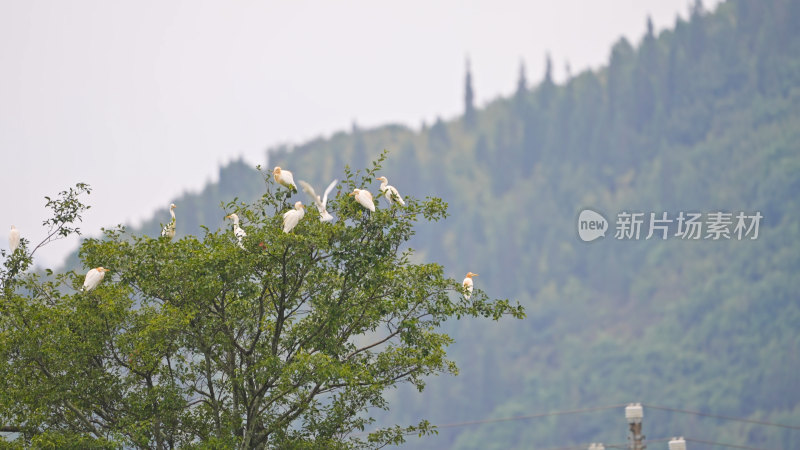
<point x="634" y="414"/>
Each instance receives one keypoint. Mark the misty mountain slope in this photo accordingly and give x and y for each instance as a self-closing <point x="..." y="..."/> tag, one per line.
<point x="703" y="118"/>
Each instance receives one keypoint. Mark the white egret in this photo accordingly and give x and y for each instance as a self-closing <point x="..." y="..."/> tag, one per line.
<point x="284" y="178"/>
<point x="363" y="197"/>
<point x="292" y="217"/>
<point x="13" y="238"/>
<point x="324" y="216"/>
<point x="468" y="284"/>
<point x="237" y="230"/>
<point x="169" y="229"/>
<point x="390" y="192"/>
<point x="93" y="278"/>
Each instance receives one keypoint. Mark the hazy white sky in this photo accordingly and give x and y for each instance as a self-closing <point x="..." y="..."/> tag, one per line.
<point x="145" y="99"/>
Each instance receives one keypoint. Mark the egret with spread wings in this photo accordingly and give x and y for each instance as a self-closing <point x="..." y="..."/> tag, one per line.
<point x="324" y="216"/>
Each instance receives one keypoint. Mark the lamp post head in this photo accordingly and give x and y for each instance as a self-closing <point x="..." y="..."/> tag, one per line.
<point x="677" y="443"/>
<point x="634" y="413"/>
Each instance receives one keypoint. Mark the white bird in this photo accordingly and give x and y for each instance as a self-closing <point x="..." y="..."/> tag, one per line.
<point x="169" y="229"/>
<point x="390" y="192"/>
<point x="292" y="217"/>
<point x="13" y="238"/>
<point x="324" y="215"/>
<point x="284" y="178"/>
<point x="363" y="197"/>
<point x="93" y="278"/>
<point x="467" y="283"/>
<point x="237" y="230"/>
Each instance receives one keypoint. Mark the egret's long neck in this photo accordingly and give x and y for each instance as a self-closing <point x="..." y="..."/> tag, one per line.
<point x="172" y="213"/>
<point x="383" y="185"/>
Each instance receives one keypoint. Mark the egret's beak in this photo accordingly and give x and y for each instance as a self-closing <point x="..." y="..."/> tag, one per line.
<point x="228" y="216"/>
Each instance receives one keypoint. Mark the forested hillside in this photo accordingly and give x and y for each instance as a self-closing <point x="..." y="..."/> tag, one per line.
<point x="704" y="117"/>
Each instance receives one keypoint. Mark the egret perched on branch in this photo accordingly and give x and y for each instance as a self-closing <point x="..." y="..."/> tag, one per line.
<point x="363" y="197"/>
<point x="93" y="278"/>
<point x="324" y="216"/>
<point x="237" y="230"/>
<point x="13" y="238"/>
<point x="468" y="284"/>
<point x="284" y="178"/>
<point x="169" y="229"/>
<point x="390" y="192"/>
<point x="292" y="217"/>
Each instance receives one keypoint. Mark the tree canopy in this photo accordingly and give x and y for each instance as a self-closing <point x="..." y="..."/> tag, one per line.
<point x="285" y="343"/>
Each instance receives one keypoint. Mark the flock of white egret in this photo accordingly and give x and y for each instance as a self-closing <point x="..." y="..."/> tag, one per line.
<point x="290" y="219"/>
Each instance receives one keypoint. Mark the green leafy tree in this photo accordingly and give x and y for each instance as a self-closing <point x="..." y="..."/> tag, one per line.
<point x="287" y="343"/>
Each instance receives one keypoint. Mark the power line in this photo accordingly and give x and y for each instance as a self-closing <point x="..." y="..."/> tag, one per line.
<point x="603" y="408"/>
<point x="716" y="416"/>
<point x="529" y="416"/>
<point x="525" y="417"/>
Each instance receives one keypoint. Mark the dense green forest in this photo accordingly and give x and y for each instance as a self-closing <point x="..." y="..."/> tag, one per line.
<point x="703" y="117"/>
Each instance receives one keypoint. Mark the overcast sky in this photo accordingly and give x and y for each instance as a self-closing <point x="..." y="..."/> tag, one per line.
<point x="145" y="99"/>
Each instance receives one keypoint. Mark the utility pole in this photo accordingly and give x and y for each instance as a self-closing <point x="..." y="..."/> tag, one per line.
<point x="634" y="415"/>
